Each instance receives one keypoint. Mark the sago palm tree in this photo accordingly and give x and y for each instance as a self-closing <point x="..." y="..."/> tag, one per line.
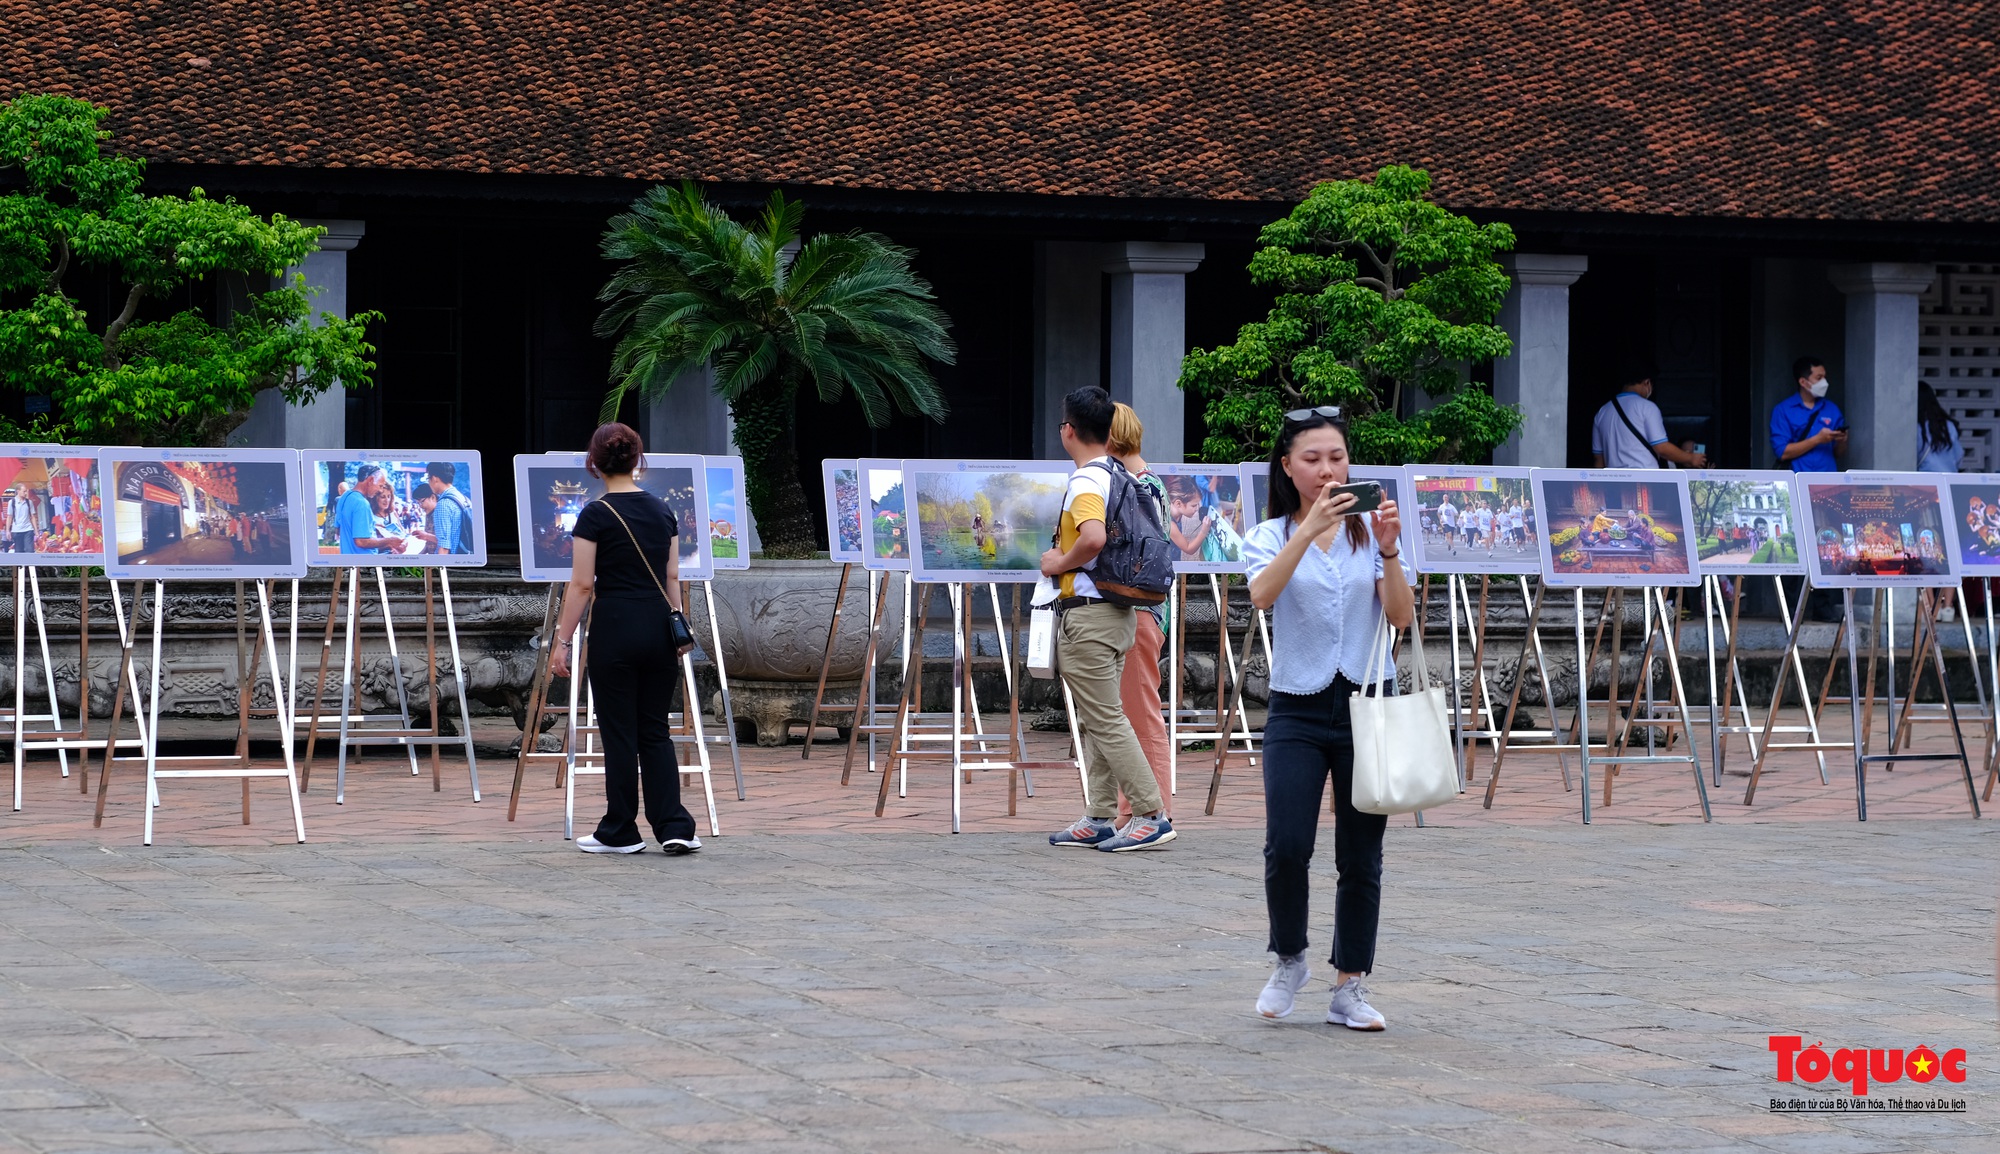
<point x="841" y="314"/>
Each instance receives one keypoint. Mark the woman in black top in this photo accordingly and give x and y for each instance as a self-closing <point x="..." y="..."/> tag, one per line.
<point x="626" y="560"/>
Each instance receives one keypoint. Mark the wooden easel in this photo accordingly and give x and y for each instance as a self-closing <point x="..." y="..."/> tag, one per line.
<point x="357" y="728"/>
<point x="249" y="657"/>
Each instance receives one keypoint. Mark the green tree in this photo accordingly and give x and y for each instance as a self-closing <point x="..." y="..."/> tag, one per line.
<point x="1381" y="293"/>
<point x="1713" y="500"/>
<point x="177" y="379"/>
<point x="841" y="313"/>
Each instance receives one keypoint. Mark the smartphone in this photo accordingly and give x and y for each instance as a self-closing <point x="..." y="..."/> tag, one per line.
<point x="1367" y="495"/>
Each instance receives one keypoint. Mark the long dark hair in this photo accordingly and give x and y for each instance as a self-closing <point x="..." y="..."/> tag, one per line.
<point x="1285" y="500"/>
<point x="1931" y="417"/>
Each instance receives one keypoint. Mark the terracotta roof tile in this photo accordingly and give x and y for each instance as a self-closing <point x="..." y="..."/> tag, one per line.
<point x="1850" y="109"/>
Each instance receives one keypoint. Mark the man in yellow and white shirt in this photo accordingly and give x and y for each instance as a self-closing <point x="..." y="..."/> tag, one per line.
<point x="1091" y="643"/>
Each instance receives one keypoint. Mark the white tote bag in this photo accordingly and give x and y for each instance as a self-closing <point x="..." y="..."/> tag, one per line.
<point x="1041" y="654"/>
<point x="1402" y="744"/>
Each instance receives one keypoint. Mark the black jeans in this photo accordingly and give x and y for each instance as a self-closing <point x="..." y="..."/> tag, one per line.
<point x="633" y="673"/>
<point x="1308" y="737"/>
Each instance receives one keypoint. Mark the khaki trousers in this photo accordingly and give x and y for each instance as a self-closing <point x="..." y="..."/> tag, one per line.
<point x="1091" y="644"/>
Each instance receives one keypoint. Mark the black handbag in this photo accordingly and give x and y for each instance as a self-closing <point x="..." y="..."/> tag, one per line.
<point x="679" y="632"/>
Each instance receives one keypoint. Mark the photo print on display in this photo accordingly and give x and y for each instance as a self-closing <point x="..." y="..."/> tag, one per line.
<point x="841" y="481"/>
<point x="204" y="513"/>
<point x="1622" y="527"/>
<point x="1878" y="530"/>
<point x="1207" y="516"/>
<point x="1473" y="519"/>
<point x="1744" y="523"/>
<point x="885" y="523"/>
<point x="395" y="508"/>
<point x="1975" y="508"/>
<point x="53" y="505"/>
<point x="551" y="489"/>
<point x="728" y="514"/>
<point x="982" y="520"/>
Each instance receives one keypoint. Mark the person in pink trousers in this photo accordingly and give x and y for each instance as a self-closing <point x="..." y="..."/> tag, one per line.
<point x="1140" y="687"/>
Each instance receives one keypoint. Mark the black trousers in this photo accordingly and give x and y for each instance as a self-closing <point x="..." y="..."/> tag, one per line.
<point x="1308" y="739"/>
<point x="634" y="673"/>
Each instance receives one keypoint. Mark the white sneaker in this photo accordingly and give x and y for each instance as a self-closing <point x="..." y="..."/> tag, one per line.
<point x="588" y="843"/>
<point x="1350" y="1008"/>
<point x="1286" y="981"/>
<point x="680" y="845"/>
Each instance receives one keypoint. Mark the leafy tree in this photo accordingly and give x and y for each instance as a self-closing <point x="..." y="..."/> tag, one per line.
<point x="841" y="313"/>
<point x="181" y="380"/>
<point x="1713" y="500"/>
<point x="1381" y="293"/>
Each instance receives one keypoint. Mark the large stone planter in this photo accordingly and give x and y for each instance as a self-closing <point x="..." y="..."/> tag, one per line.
<point x="774" y="619"/>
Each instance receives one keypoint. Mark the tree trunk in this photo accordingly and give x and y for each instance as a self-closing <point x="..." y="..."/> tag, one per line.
<point x="765" y="417"/>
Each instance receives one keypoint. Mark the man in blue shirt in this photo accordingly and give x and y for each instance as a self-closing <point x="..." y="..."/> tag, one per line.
<point x="354" y="514"/>
<point x="1809" y="432"/>
<point x="451" y="521"/>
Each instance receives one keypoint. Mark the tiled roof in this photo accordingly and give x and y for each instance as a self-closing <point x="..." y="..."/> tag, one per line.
<point x="1848" y="109"/>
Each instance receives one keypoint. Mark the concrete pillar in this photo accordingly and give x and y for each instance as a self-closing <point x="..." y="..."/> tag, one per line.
<point x="320" y="423"/>
<point x="1536" y="376"/>
<point x="1882" y="329"/>
<point x="690" y="418"/>
<point x="1069" y="281"/>
<point x="1149" y="337"/>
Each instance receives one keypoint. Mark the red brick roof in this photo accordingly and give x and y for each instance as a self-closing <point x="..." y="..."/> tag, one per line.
<point x="1878" y="110"/>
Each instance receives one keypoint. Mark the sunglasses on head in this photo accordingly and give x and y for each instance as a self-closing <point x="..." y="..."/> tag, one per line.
<point x="1301" y="416"/>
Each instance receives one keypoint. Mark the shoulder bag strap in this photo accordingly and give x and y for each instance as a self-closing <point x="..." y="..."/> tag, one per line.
<point x="1620" y="409"/>
<point x="643" y="560"/>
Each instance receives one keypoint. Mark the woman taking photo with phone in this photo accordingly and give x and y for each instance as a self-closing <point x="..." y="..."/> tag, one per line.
<point x="1328" y="575"/>
<point x="626" y="561"/>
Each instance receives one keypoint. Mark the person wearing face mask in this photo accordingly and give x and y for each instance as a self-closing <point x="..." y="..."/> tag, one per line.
<point x="1809" y="432"/>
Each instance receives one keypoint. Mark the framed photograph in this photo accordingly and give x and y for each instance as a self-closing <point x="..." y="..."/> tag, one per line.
<point x="204" y="513"/>
<point x="842" y="482"/>
<point x="1743" y="522"/>
<point x="1975" y="509"/>
<point x="1207" y="516"/>
<point x="52" y="505"/>
<point x="551" y="489"/>
<point x="1477" y="519"/>
<point x="885" y="529"/>
<point x="395" y="508"/>
<point x="1877" y="530"/>
<point x="982" y="520"/>
<point x="1257" y="483"/>
<point x="728" y="519"/>
<point x="1615" y="527"/>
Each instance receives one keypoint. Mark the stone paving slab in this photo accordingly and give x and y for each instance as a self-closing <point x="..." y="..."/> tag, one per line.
<point x="1550" y="988"/>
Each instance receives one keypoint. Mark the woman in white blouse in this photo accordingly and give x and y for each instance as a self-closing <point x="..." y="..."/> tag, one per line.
<point x="1328" y="578"/>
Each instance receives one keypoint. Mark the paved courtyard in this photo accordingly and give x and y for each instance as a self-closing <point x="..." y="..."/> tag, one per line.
<point x="425" y="976"/>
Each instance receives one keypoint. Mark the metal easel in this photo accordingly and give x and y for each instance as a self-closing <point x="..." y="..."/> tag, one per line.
<point x="1225" y="664"/>
<point x="1884" y="633"/>
<point x="359" y="728"/>
<point x="1661" y="625"/>
<point x="728" y="735"/>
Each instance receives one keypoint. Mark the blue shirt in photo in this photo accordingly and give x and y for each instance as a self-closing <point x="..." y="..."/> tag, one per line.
<point x="354" y="517"/>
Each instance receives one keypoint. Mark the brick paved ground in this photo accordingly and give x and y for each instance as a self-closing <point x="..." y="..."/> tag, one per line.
<point x="425" y="976"/>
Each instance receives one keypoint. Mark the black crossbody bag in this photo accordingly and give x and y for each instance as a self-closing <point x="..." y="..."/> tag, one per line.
<point x="678" y="630"/>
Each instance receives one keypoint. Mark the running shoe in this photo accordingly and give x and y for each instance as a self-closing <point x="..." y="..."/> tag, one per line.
<point x="680" y="845"/>
<point x="1141" y="833"/>
<point x="1350" y="1008"/>
<point x="1086" y="833"/>
<point x="1286" y="981"/>
<point x="588" y="843"/>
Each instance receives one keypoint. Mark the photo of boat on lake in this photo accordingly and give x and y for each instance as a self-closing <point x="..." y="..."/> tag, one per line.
<point x="983" y="520"/>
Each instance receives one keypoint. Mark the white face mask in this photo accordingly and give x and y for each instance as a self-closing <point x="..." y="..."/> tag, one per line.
<point x="1819" y="387"/>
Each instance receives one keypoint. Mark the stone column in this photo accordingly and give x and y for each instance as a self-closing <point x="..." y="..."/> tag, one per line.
<point x="1069" y="281"/>
<point x="1881" y="384"/>
<point x="320" y="423"/>
<point x="1536" y="376"/>
<point x="690" y="418"/>
<point x="1149" y="337"/>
